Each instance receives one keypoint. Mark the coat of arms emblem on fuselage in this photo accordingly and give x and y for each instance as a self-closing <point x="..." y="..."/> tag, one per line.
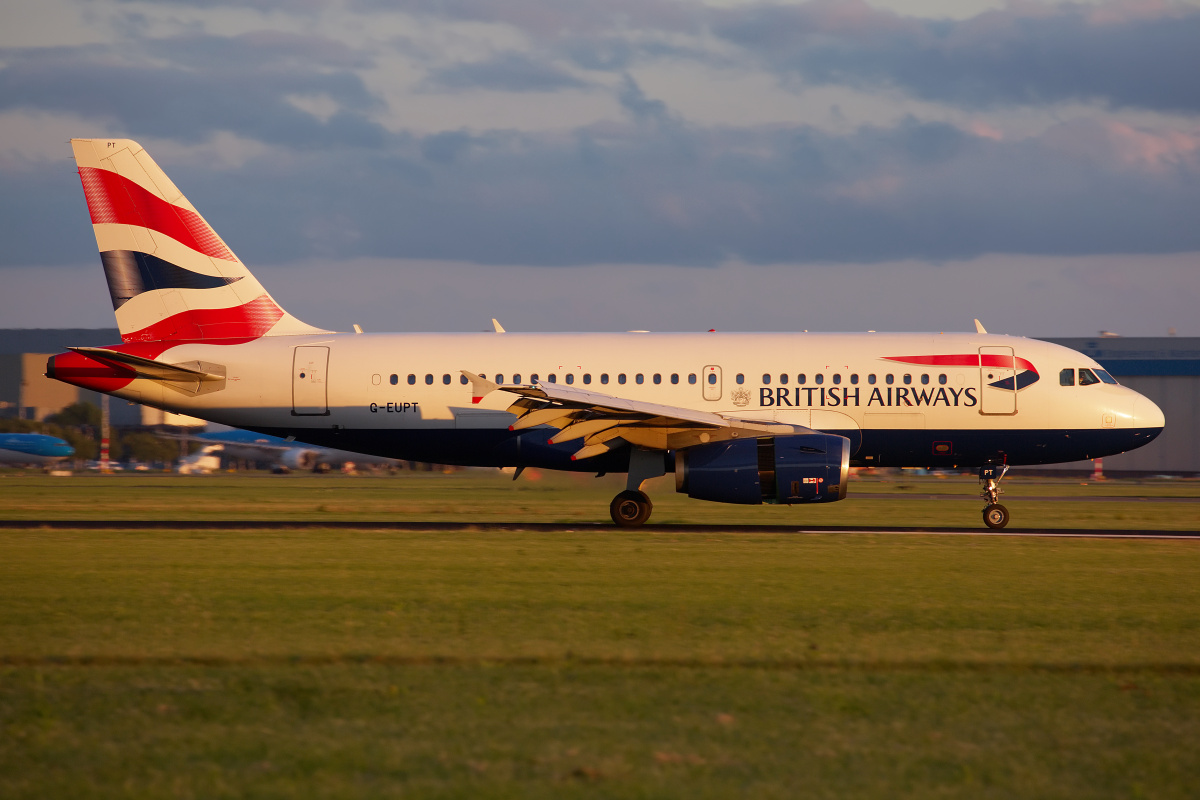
<point x="740" y="397"/>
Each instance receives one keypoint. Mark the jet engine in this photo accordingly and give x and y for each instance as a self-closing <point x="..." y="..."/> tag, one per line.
<point x="298" y="458"/>
<point x="800" y="468"/>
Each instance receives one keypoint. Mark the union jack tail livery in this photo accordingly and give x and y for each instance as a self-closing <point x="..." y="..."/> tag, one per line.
<point x="171" y="277"/>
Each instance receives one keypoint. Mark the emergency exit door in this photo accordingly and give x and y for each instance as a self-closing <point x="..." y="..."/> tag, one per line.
<point x="310" y="372"/>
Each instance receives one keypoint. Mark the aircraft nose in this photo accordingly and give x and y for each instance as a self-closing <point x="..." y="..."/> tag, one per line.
<point x="1147" y="414"/>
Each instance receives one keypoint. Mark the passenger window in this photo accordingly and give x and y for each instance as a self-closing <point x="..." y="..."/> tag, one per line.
<point x="907" y="379"/>
<point x="712" y="379"/>
<point x="837" y="377"/>
<point x="412" y="379"/>
<point x="429" y="380"/>
<point x="499" y="379"/>
<point x="621" y="379"/>
<point x="871" y="379"/>
<point x="587" y="377"/>
<point x="1087" y="378"/>
<point x="552" y="378"/>
<point x="692" y="378"/>
<point x="925" y="379"/>
<point x="854" y="377"/>
<point x="766" y="379"/>
<point x="890" y="379"/>
<point x="783" y="378"/>
<point x="740" y="379"/>
<point x="446" y="379"/>
<point x="640" y="378"/>
<point x="533" y="378"/>
<point x="674" y="377"/>
<point x="801" y="379"/>
<point x="604" y="377"/>
<point x="463" y="379"/>
<point x="517" y="378"/>
<point x="1066" y="377"/>
<point x="942" y="379"/>
<point x="394" y="379"/>
<point x="657" y="378"/>
<point x="819" y="379"/>
<point x="570" y="378"/>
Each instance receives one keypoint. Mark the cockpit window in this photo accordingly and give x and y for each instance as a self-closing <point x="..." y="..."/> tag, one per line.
<point x="1087" y="377"/>
<point x="1104" y="376"/>
<point x="1066" y="377"/>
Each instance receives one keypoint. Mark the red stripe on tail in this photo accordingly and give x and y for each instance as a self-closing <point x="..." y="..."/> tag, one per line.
<point x="114" y="199"/>
<point x="246" y="322"/>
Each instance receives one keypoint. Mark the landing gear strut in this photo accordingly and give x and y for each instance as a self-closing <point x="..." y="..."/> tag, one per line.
<point x="995" y="516"/>
<point x="632" y="507"/>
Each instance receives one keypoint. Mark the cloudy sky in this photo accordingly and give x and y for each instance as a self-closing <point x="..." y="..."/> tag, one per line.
<point x="630" y="164"/>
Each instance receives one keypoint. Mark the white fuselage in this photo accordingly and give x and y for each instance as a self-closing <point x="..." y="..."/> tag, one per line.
<point x="399" y="395"/>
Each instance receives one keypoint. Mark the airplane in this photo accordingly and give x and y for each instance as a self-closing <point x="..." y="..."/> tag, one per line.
<point x="737" y="417"/>
<point x="283" y="455"/>
<point x="33" y="448"/>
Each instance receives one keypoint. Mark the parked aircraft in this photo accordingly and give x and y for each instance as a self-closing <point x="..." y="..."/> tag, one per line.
<point x="282" y="454"/>
<point x="33" y="448"/>
<point x="739" y="418"/>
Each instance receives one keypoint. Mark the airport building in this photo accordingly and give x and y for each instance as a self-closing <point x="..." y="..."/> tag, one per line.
<point x="1166" y="369"/>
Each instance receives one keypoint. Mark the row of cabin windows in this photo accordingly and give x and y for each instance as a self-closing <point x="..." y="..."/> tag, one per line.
<point x="657" y="378"/>
<point x="819" y="378"/>
<point x="568" y="378"/>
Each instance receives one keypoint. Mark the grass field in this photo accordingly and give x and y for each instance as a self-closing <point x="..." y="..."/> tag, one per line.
<point x="350" y="663"/>
<point x="488" y="496"/>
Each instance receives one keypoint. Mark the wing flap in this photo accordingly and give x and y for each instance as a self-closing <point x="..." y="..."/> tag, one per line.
<point x="605" y="422"/>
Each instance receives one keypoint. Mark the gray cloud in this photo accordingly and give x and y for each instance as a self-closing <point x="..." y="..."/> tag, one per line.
<point x="683" y="195"/>
<point x="239" y="84"/>
<point x="507" y="72"/>
<point x="1017" y="55"/>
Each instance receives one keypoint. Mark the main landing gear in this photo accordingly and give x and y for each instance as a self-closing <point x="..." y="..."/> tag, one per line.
<point x="995" y="516"/>
<point x="632" y="507"/>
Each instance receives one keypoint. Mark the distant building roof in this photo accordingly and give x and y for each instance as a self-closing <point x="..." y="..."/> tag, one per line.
<point x="1141" y="355"/>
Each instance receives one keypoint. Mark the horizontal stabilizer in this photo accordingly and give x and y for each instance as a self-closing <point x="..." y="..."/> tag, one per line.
<point x="147" y="367"/>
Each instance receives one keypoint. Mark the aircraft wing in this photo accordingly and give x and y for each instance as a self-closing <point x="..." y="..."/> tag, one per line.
<point x="604" y="421"/>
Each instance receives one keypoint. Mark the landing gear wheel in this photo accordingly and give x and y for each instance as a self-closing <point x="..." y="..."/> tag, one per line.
<point x="995" y="516"/>
<point x="630" y="509"/>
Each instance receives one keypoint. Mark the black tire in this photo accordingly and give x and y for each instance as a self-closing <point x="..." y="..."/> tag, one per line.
<point x="995" y="516"/>
<point x="630" y="509"/>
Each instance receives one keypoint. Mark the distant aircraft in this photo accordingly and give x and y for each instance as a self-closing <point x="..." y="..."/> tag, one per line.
<point x="33" y="448"/>
<point x="738" y="418"/>
<point x="282" y="454"/>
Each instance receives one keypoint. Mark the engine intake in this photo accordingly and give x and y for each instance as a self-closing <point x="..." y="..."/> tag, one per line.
<point x="803" y="468"/>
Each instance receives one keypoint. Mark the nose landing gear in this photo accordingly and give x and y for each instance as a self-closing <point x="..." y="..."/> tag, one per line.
<point x="995" y="516"/>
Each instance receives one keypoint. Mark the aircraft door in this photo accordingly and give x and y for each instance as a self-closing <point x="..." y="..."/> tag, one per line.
<point x="712" y="382"/>
<point x="310" y="372"/>
<point x="997" y="381"/>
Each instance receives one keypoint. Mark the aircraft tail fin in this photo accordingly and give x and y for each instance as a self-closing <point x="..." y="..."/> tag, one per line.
<point x="170" y="276"/>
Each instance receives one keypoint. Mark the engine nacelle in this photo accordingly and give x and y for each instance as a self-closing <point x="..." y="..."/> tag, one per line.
<point x="801" y="468"/>
<point x="297" y="458"/>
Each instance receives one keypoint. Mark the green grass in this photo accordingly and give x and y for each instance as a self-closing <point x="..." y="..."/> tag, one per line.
<point x="347" y="663"/>
<point x="488" y="496"/>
